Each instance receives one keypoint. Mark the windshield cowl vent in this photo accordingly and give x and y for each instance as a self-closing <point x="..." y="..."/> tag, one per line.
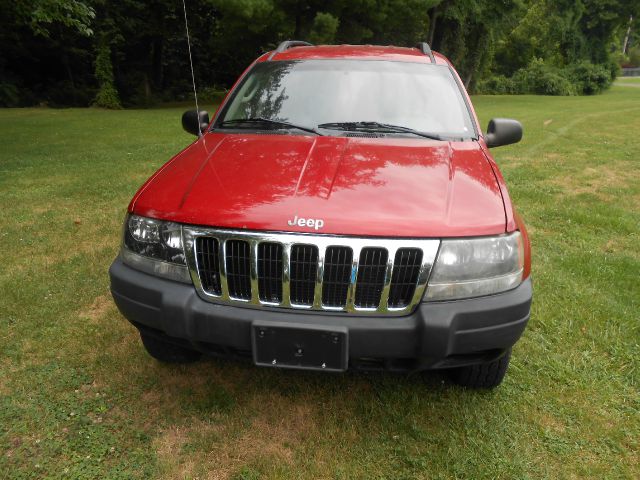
<point x="364" y="135"/>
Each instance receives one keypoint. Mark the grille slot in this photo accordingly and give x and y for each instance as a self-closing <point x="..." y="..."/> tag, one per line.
<point x="304" y="267"/>
<point x="371" y="270"/>
<point x="337" y="273"/>
<point x="270" y="272"/>
<point x="209" y="264"/>
<point x="406" y="269"/>
<point x="238" y="267"/>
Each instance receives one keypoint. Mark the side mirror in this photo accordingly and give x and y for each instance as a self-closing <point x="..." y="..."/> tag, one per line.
<point x="195" y="122"/>
<point x="503" y="131"/>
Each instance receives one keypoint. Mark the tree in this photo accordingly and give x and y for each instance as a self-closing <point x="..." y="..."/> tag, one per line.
<point x="107" y="96"/>
<point x="324" y="29"/>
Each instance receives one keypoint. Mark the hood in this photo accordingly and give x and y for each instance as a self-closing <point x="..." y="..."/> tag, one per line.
<point x="400" y="187"/>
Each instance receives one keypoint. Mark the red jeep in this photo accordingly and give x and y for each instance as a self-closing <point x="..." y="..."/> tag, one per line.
<point x="341" y="210"/>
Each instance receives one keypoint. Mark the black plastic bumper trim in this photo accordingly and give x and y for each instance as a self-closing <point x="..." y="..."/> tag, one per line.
<point x="435" y="335"/>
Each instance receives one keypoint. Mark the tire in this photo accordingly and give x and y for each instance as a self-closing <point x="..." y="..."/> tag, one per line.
<point x="168" y="352"/>
<point x="483" y="375"/>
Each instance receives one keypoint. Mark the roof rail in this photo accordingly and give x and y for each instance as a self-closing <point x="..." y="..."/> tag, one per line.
<point x="426" y="49"/>
<point x="287" y="44"/>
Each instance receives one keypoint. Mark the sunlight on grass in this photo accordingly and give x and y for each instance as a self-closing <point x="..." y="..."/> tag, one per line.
<point x="80" y="398"/>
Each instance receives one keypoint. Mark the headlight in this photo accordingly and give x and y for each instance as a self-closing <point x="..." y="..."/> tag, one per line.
<point x="476" y="266"/>
<point x="155" y="246"/>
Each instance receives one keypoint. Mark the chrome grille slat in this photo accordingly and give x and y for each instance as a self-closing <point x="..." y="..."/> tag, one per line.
<point x="253" y="274"/>
<point x="320" y="273"/>
<point x="223" y="269"/>
<point x="386" y="288"/>
<point x="317" y="293"/>
<point x="286" y="275"/>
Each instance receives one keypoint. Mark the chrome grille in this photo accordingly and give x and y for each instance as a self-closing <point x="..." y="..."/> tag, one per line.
<point x="368" y="276"/>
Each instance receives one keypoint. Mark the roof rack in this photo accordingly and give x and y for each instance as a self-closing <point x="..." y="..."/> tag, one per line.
<point x="287" y="44"/>
<point x="426" y="49"/>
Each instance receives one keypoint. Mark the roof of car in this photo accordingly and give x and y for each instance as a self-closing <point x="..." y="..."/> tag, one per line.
<point x="358" y="52"/>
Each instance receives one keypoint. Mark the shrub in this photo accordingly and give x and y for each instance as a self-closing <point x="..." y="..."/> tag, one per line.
<point x="542" y="79"/>
<point x="9" y="96"/>
<point x="634" y="56"/>
<point x="497" y="85"/>
<point x="107" y="96"/>
<point x="590" y="78"/>
<point x="324" y="28"/>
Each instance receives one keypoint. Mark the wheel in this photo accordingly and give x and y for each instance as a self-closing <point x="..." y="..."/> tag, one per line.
<point x="168" y="352"/>
<point x="483" y="375"/>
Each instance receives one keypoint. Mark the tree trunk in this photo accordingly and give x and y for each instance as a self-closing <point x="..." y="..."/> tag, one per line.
<point x="156" y="62"/>
<point x="626" y="37"/>
<point x="432" y="25"/>
<point x="147" y="89"/>
<point x="467" y="82"/>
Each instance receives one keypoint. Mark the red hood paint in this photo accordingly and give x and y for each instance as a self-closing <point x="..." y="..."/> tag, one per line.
<point x="399" y="187"/>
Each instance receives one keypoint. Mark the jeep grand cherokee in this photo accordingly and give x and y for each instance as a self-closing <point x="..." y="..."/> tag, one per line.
<point x="341" y="210"/>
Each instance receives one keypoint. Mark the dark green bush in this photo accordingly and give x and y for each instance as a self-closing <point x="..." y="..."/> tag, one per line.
<point x="107" y="96"/>
<point x="9" y="96"/>
<point x="543" y="79"/>
<point x="634" y="56"/>
<point x="589" y="78"/>
<point x="582" y="78"/>
<point x="497" y="85"/>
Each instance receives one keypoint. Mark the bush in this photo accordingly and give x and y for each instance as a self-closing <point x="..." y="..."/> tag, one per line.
<point x="497" y="85"/>
<point x="9" y="96"/>
<point x="582" y="78"/>
<point x="590" y="78"/>
<point x="107" y="96"/>
<point x="634" y="57"/>
<point x="324" y="28"/>
<point x="542" y="79"/>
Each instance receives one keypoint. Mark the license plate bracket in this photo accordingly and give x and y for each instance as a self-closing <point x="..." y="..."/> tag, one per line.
<point x="303" y="347"/>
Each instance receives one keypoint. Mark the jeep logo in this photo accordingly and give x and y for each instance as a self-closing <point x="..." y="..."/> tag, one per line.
<point x="316" y="223"/>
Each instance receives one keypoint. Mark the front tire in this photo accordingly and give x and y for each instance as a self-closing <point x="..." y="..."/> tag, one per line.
<point x="168" y="352"/>
<point x="484" y="375"/>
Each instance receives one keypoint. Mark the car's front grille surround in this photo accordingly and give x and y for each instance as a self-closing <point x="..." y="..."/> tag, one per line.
<point x="324" y="273"/>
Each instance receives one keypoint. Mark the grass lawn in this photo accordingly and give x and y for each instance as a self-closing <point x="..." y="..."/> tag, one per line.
<point x="628" y="79"/>
<point x="622" y="81"/>
<point x="79" y="397"/>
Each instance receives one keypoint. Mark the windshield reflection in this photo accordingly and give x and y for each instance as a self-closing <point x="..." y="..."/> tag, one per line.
<point x="419" y="96"/>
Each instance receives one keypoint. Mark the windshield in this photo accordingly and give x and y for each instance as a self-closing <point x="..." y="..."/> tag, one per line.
<point x="309" y="93"/>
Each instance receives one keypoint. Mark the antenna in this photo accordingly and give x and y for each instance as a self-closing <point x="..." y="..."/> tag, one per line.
<point x="193" y="78"/>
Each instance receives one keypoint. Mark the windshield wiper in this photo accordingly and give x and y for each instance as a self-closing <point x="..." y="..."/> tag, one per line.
<point x="268" y="121"/>
<point x="377" y="127"/>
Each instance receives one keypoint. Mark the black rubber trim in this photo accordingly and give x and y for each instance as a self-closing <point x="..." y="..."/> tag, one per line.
<point x="435" y="335"/>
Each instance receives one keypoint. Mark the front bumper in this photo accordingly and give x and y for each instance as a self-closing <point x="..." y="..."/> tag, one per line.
<point x="435" y="335"/>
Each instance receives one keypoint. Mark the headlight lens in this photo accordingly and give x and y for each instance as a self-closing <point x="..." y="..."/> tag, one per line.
<point x="155" y="246"/>
<point x="471" y="267"/>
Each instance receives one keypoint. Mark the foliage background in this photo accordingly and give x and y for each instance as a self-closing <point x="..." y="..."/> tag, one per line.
<point x="57" y="52"/>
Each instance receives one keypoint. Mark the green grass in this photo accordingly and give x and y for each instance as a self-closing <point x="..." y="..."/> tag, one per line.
<point x="79" y="398"/>
<point x="628" y="80"/>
